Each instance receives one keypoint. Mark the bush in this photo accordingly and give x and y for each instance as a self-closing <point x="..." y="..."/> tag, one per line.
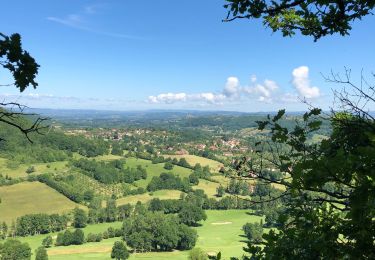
<point x="253" y="232"/>
<point x="31" y="169"/>
<point x="47" y="241"/>
<point x="197" y="254"/>
<point x="119" y="251"/>
<point x="168" y="166"/>
<point x="41" y="254"/>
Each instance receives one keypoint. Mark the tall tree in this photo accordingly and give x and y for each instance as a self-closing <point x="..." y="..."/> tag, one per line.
<point x="119" y="251"/>
<point x="80" y="218"/>
<point x="41" y="254"/>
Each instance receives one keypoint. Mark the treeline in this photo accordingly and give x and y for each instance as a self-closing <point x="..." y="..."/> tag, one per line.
<point x="74" y="194"/>
<point x="78" y="144"/>
<point x="168" y="181"/>
<point x="110" y="172"/>
<point x="151" y="156"/>
<point x="51" y="147"/>
<point x="33" y="224"/>
<point x="155" y="231"/>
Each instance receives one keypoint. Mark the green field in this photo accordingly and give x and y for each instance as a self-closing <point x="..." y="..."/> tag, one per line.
<point x="220" y="232"/>
<point x="144" y="198"/>
<point x="209" y="187"/>
<point x="20" y="171"/>
<point x="193" y="160"/>
<point x="31" y="197"/>
<point x="154" y="170"/>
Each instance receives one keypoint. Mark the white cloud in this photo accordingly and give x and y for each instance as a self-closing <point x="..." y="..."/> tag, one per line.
<point x="231" y="92"/>
<point x="168" y="98"/>
<point x="265" y="90"/>
<point x="232" y="87"/>
<point x="302" y="84"/>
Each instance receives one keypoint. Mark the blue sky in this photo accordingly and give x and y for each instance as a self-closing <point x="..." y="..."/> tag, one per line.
<point x="163" y="54"/>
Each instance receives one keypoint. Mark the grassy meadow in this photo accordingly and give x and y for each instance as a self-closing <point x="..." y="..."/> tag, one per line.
<point x="32" y="197"/>
<point x="220" y="232"/>
<point x="146" y="197"/>
<point x="154" y="170"/>
<point x="20" y="170"/>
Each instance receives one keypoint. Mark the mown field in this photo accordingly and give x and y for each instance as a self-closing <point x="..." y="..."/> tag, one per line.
<point x="31" y="197"/>
<point x="146" y="197"/>
<point x="220" y="232"/>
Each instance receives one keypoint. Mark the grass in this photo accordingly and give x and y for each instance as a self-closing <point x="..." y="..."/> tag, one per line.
<point x="220" y="232"/>
<point x="20" y="171"/>
<point x="161" y="194"/>
<point x="194" y="159"/>
<point x="31" y="197"/>
<point x="209" y="187"/>
<point x="36" y="241"/>
<point x="154" y="170"/>
<point x="108" y="157"/>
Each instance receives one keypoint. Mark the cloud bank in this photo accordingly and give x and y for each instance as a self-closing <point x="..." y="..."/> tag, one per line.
<point x="267" y="91"/>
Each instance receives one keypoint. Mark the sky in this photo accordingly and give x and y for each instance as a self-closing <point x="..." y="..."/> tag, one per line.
<point x="164" y="54"/>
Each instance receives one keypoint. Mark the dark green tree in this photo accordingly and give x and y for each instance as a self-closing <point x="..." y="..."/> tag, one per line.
<point x="193" y="179"/>
<point x="111" y="210"/>
<point x="317" y="18"/>
<point x="80" y="218"/>
<point x="78" y="237"/>
<point x="329" y="188"/>
<point x="220" y="191"/>
<point x="119" y="251"/>
<point x="191" y="214"/>
<point x="253" y="232"/>
<point x="168" y="166"/>
<point x="30" y="169"/>
<point x="188" y="237"/>
<point x="47" y="241"/>
<point x="15" y="250"/>
<point x="41" y="254"/>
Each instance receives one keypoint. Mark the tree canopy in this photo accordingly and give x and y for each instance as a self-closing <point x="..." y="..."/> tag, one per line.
<point x="329" y="187"/>
<point x="24" y="69"/>
<point x="317" y="18"/>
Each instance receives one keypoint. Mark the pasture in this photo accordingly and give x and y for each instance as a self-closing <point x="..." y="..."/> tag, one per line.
<point x="146" y="197"/>
<point x="209" y="187"/>
<point x="220" y="232"/>
<point x="20" y="170"/>
<point x="32" y="197"/>
<point x="154" y="170"/>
